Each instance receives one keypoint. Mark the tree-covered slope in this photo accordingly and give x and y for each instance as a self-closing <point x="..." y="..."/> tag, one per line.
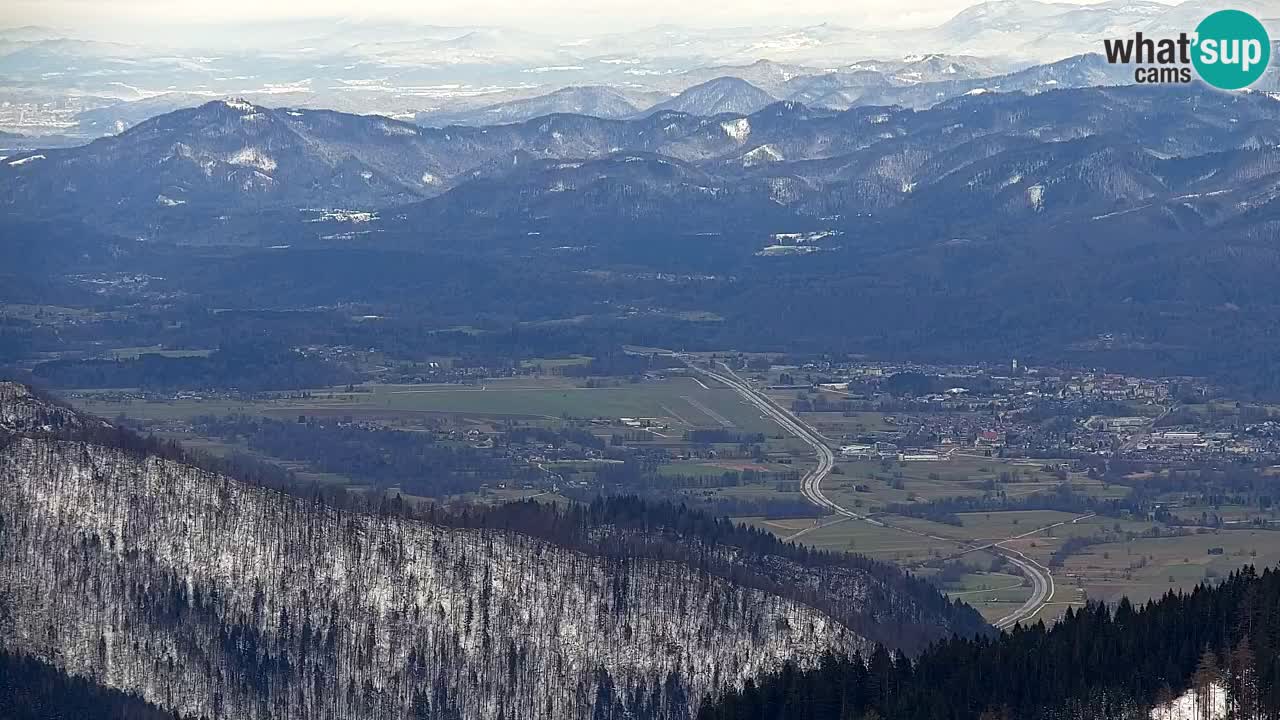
<point x="1098" y="663"/>
<point x="127" y="564"/>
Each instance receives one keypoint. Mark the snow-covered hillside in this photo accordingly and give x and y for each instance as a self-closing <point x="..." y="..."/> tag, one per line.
<point x="212" y="597"/>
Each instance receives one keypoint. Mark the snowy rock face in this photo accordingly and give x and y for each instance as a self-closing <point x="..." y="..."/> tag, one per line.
<point x="212" y="597"/>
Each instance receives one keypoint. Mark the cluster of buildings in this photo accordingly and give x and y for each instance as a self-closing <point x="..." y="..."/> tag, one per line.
<point x="931" y="411"/>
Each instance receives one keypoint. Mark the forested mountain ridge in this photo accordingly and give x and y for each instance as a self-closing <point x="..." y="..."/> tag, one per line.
<point x="23" y="411"/>
<point x="1033" y="157"/>
<point x="212" y="597"/>
<point x="1218" y="644"/>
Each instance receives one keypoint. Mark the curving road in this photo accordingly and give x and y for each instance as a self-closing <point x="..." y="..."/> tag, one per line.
<point x="811" y="484"/>
<point x="1042" y="588"/>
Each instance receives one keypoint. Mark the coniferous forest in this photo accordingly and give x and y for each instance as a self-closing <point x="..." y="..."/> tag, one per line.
<point x="144" y="580"/>
<point x="1097" y="663"/>
<point x="148" y="569"/>
<point x="34" y="690"/>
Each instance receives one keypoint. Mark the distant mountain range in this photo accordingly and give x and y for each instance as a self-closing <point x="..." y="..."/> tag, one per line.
<point x="598" y="101"/>
<point x="917" y="82"/>
<point x="1100" y="210"/>
<point x="469" y="75"/>
<point x="1065" y="153"/>
<point x="228" y="154"/>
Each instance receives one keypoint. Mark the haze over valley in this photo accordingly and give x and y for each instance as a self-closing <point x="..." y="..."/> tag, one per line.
<point x="636" y="363"/>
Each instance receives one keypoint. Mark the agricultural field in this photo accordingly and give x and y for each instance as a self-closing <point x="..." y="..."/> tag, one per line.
<point x="1141" y="559"/>
<point x="52" y="314"/>
<point x="994" y="594"/>
<point x="1108" y="557"/>
<point x="883" y="482"/>
<point x="129" y="353"/>
<point x="1146" y="568"/>
<point x="679" y="403"/>
<point x="655" y="416"/>
<point x="882" y="543"/>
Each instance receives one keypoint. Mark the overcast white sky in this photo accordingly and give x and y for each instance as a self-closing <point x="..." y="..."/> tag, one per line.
<point x="109" y="16"/>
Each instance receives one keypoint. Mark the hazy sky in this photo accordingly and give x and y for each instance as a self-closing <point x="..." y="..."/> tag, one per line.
<point x="97" y="17"/>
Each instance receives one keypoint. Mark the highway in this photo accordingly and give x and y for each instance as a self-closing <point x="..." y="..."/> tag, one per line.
<point x="1042" y="588"/>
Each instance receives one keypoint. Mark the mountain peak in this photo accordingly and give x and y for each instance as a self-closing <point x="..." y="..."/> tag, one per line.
<point x="725" y="94"/>
<point x="235" y="104"/>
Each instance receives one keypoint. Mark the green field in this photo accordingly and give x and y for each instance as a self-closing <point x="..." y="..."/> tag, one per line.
<point x="556" y="363"/>
<point x="890" y="481"/>
<point x="1146" y="568"/>
<point x="134" y="352"/>
<point x="682" y="403"/>
<point x="995" y="595"/>
<point x="1141" y="568"/>
<point x="877" y="542"/>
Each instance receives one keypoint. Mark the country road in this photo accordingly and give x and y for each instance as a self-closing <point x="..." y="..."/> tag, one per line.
<point x="1042" y="587"/>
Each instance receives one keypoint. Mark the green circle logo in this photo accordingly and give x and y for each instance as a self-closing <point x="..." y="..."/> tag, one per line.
<point x="1232" y="49"/>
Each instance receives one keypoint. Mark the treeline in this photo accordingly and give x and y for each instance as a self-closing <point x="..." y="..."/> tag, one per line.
<point x="413" y="461"/>
<point x="640" y="477"/>
<point x="1095" y="663"/>
<point x="1062" y="499"/>
<point x="33" y="690"/>
<point x="898" y="608"/>
<point x="250" y="368"/>
<point x="629" y="527"/>
<point x="768" y="507"/>
<point x="1229" y="484"/>
<point x="552" y="436"/>
<point x="288" y="608"/>
<point x="60" y="425"/>
<point x="719" y="435"/>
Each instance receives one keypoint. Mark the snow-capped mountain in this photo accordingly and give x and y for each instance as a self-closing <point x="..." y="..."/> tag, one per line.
<point x="1091" y="70"/>
<point x="232" y="154"/>
<point x="404" y="69"/>
<point x="228" y="158"/>
<point x="1030" y="30"/>
<point x="931" y="67"/>
<point x="715" y="97"/>
<point x="767" y="75"/>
